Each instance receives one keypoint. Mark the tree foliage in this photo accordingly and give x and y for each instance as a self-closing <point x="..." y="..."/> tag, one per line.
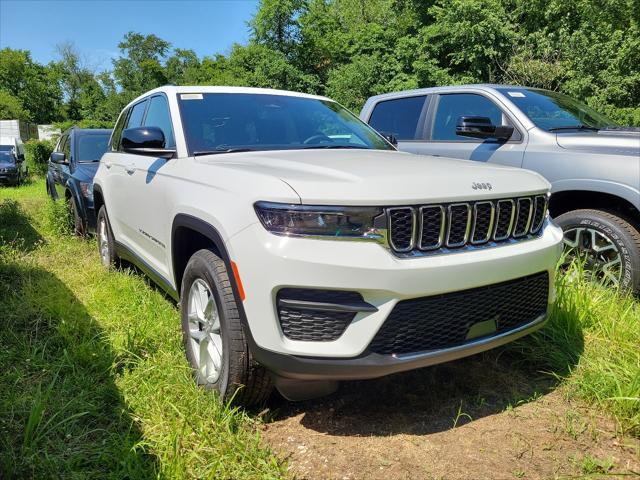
<point x="351" y="49"/>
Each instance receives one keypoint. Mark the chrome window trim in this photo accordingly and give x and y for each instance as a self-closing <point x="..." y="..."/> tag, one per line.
<point x="475" y="221"/>
<point x="466" y="233"/>
<point x="413" y="229"/>
<point x="528" y="224"/>
<point x="511" y="221"/>
<point x="442" y="226"/>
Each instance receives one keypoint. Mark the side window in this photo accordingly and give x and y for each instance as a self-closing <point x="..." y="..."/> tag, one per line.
<point x="135" y="117"/>
<point x="453" y="106"/>
<point x="66" y="148"/>
<point x="117" y="131"/>
<point x="399" y="117"/>
<point x="158" y="116"/>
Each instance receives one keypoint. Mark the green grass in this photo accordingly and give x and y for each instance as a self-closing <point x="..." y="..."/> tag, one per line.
<point x="94" y="383"/>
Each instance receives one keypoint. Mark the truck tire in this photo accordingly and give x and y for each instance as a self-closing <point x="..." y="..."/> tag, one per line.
<point x="214" y="339"/>
<point x="610" y="244"/>
<point x="106" y="242"/>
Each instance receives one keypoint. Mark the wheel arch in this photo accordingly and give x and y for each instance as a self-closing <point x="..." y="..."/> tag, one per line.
<point x="567" y="200"/>
<point x="98" y="198"/>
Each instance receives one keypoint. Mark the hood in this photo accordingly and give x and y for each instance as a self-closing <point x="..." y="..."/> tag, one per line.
<point x="376" y="177"/>
<point x="86" y="171"/>
<point x="611" y="142"/>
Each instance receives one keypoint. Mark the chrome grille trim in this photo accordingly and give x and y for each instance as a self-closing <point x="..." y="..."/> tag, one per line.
<point x="545" y="205"/>
<point x="443" y="222"/>
<point x="449" y="224"/>
<point x="521" y="200"/>
<point x="412" y="244"/>
<point x="419" y="231"/>
<point x="513" y="216"/>
<point x="475" y="221"/>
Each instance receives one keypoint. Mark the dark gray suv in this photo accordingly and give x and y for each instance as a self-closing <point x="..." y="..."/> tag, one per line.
<point x="593" y="164"/>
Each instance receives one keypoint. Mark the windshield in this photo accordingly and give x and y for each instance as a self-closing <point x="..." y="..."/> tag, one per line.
<point x="222" y="122"/>
<point x="555" y="111"/>
<point x="92" y="146"/>
<point x="6" y="148"/>
<point x="6" y="157"/>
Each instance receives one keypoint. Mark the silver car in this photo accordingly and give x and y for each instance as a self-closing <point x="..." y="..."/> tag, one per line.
<point x="593" y="164"/>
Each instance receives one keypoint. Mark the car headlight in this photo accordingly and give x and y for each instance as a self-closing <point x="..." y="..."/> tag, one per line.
<point x="348" y="223"/>
<point x="86" y="189"/>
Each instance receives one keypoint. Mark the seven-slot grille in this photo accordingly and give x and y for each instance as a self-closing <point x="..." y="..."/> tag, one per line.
<point x="455" y="225"/>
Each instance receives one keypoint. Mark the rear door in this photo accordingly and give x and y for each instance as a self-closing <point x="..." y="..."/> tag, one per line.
<point x="120" y="166"/>
<point x="440" y="130"/>
<point x="404" y="118"/>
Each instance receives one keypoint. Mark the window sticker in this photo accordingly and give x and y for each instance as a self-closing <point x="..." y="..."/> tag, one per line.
<point x="516" y="94"/>
<point x="190" y="96"/>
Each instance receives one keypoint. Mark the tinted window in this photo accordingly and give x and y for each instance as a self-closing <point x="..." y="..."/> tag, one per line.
<point x="117" y="131"/>
<point x="6" y="148"/>
<point x="66" y="147"/>
<point x="215" y="122"/>
<point x="452" y="107"/>
<point x="137" y="112"/>
<point x="158" y="116"/>
<point x="90" y="147"/>
<point x="399" y="117"/>
<point x="6" y="157"/>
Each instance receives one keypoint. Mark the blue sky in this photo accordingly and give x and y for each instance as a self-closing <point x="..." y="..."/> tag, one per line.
<point x="96" y="26"/>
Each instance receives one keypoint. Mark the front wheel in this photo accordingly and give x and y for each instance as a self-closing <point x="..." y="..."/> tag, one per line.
<point x="106" y="242"/>
<point x="214" y="340"/>
<point x="77" y="224"/>
<point x="608" y="245"/>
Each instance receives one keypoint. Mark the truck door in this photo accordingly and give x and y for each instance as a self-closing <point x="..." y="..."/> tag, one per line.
<point x="441" y="138"/>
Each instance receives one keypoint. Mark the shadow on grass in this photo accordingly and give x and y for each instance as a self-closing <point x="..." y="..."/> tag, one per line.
<point x="439" y="398"/>
<point x="15" y="229"/>
<point x="61" y="414"/>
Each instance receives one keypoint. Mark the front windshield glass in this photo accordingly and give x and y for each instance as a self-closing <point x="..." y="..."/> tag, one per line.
<point x="6" y="148"/>
<point x="92" y="146"/>
<point x="6" y="157"/>
<point x="555" y="111"/>
<point x="222" y="122"/>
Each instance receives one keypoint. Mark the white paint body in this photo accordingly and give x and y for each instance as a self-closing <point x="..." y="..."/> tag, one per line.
<point x="221" y="190"/>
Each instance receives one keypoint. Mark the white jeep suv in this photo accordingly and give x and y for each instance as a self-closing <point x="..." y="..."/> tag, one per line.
<point x="304" y="249"/>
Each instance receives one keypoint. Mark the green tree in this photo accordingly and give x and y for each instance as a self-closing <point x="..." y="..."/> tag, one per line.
<point x="11" y="107"/>
<point x="140" y="66"/>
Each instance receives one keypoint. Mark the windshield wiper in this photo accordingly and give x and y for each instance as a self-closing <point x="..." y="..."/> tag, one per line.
<point x="574" y="127"/>
<point x="228" y="150"/>
<point x="336" y="146"/>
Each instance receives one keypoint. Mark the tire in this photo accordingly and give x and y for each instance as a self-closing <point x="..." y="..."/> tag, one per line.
<point x="77" y="225"/>
<point x="107" y="250"/>
<point x="239" y="379"/>
<point x="605" y="226"/>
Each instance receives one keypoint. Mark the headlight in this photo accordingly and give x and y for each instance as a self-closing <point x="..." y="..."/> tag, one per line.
<point x="86" y="189"/>
<point x="349" y="223"/>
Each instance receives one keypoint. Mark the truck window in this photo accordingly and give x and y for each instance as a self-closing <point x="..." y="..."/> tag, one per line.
<point x="399" y="117"/>
<point x="453" y="106"/>
<point x="117" y="131"/>
<point x="137" y="112"/>
<point x="158" y="116"/>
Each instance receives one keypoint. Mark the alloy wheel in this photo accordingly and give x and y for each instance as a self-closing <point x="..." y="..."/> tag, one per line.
<point x="103" y="241"/>
<point x="601" y="256"/>
<point x="204" y="331"/>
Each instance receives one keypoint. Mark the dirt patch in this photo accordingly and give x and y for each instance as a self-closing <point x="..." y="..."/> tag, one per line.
<point x="475" y="418"/>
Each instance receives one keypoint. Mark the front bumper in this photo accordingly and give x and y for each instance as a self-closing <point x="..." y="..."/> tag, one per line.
<point x="267" y="263"/>
<point x="9" y="178"/>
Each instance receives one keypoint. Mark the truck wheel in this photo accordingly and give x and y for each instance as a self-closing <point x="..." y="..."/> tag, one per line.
<point x="106" y="243"/>
<point x="608" y="244"/>
<point x="214" y="340"/>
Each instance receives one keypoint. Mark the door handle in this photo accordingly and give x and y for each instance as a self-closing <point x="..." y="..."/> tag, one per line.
<point x="107" y="164"/>
<point x="130" y="169"/>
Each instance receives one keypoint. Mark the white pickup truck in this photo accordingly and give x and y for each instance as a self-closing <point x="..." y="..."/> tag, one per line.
<point x="304" y="249"/>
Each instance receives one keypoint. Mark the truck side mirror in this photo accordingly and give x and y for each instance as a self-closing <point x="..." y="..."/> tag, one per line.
<point x="481" y="127"/>
<point x="145" y="141"/>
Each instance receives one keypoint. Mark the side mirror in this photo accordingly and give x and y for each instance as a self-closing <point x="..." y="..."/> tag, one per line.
<point x="145" y="141"/>
<point x="391" y="138"/>
<point x="58" y="157"/>
<point x="481" y="127"/>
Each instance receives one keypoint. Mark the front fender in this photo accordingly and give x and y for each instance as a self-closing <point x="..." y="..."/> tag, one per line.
<point x="627" y="192"/>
